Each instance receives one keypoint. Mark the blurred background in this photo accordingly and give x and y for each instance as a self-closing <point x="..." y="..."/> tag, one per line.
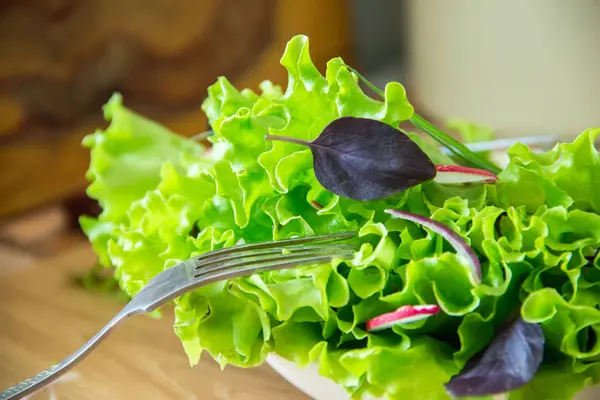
<point x="522" y="68"/>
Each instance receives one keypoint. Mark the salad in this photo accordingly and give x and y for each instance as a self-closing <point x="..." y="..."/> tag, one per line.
<point x="468" y="279"/>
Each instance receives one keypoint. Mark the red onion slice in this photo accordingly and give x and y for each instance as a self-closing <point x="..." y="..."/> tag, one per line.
<point x="452" y="237"/>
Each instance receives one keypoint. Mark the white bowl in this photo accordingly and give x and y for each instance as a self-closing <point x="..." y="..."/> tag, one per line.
<point x="308" y="380"/>
<point x="317" y="387"/>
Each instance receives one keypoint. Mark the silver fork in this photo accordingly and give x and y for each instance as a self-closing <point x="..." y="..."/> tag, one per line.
<point x="217" y="265"/>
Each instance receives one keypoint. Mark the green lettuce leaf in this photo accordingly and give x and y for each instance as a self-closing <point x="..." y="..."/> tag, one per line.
<point x="470" y="132"/>
<point x="126" y="162"/>
<point x="569" y="166"/>
<point x="536" y="233"/>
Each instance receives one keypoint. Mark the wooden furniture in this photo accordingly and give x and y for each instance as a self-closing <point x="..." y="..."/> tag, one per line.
<point x="43" y="318"/>
<point x="60" y="60"/>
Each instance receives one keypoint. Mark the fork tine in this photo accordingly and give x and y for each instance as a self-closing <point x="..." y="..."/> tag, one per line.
<point x="235" y="268"/>
<point x="307" y="252"/>
<point x="278" y="244"/>
<point x="205" y="264"/>
<point x="258" y="266"/>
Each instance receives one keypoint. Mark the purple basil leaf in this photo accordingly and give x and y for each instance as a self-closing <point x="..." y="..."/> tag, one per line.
<point x="365" y="159"/>
<point x="509" y="362"/>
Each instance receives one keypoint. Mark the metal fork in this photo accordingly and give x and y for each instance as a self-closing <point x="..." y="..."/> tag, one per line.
<point x="217" y="265"/>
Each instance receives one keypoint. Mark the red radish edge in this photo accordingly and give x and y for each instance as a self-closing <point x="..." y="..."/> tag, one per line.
<point x="461" y="247"/>
<point x="316" y="205"/>
<point x="484" y="175"/>
<point x="403" y="315"/>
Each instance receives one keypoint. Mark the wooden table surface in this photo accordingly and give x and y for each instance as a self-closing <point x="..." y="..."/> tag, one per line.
<point x="43" y="318"/>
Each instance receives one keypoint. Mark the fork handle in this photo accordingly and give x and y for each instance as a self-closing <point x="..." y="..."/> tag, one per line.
<point x="45" y="377"/>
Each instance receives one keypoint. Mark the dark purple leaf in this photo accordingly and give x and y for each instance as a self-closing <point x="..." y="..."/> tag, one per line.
<point x="509" y="362"/>
<point x="365" y="159"/>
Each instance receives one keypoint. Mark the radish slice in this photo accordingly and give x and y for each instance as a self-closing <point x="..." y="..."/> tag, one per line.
<point x="452" y="237"/>
<point x="459" y="174"/>
<point x="403" y="315"/>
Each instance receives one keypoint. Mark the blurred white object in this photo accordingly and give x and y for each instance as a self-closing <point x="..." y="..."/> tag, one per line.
<point x="317" y="387"/>
<point x="503" y="144"/>
<point x="498" y="147"/>
<point x="308" y="380"/>
<point x="521" y="67"/>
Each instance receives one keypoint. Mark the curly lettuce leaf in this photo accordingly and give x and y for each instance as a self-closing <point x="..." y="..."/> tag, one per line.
<point x="570" y="167"/>
<point x="125" y="163"/>
<point x="535" y="232"/>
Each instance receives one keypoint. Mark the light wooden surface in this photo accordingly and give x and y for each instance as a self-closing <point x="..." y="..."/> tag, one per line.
<point x="43" y="318"/>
